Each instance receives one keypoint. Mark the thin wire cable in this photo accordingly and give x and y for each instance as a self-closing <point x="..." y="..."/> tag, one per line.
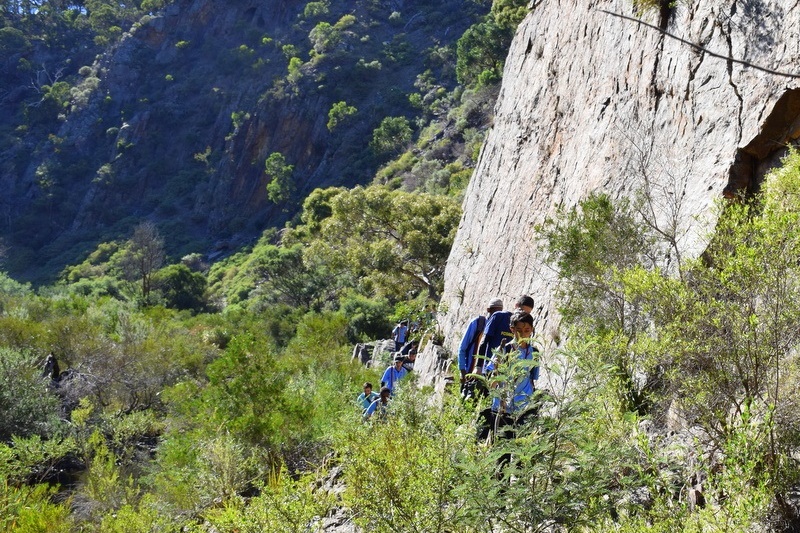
<point x="702" y="49"/>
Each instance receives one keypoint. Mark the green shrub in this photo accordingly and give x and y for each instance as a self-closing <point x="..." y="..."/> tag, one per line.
<point x="181" y="288"/>
<point x="393" y="134"/>
<point x="316" y="9"/>
<point x="30" y="509"/>
<point x="28" y="405"/>
<point x="367" y="318"/>
<point x="284" y="505"/>
<point x="339" y="114"/>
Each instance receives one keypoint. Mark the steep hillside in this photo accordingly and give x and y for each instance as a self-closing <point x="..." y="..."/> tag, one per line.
<point x="174" y="122"/>
<point x="696" y="102"/>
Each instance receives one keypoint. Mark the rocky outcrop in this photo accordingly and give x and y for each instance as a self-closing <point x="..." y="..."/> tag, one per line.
<point x="695" y="98"/>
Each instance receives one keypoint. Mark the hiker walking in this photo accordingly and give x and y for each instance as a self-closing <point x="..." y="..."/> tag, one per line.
<point x="496" y="330"/>
<point x="511" y="408"/>
<point x="380" y="405"/>
<point x="367" y="397"/>
<point x="470" y="342"/>
<point x="399" y="334"/>
<point x="394" y="373"/>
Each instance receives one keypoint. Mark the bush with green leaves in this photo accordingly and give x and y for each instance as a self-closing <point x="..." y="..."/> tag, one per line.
<point x="339" y="113"/>
<point x="279" y="173"/>
<point x="714" y="342"/>
<point x="32" y="509"/>
<point x="284" y="505"/>
<point x="28" y="403"/>
<point x="367" y="318"/>
<point x="402" y="473"/>
<point x="393" y="134"/>
<point x="181" y="288"/>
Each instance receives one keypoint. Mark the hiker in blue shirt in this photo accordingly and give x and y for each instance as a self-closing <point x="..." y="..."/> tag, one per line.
<point x="394" y="373"/>
<point x="497" y="328"/>
<point x="367" y="397"/>
<point x="511" y="408"/>
<point x="381" y="405"/>
<point x="399" y="334"/>
<point x="469" y="345"/>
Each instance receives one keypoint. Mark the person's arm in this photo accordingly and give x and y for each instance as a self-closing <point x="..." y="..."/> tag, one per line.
<point x="371" y="409"/>
<point x="385" y="378"/>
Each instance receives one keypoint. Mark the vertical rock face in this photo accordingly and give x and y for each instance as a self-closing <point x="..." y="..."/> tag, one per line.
<point x="700" y="99"/>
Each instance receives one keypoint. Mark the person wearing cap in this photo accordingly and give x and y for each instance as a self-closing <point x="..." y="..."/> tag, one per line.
<point x="497" y="329"/>
<point x="367" y="397"/>
<point x="394" y="373"/>
<point x="381" y="405"/>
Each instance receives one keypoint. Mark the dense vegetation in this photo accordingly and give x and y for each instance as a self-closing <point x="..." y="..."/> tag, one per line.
<point x="187" y="384"/>
<point x="232" y="421"/>
<point x="215" y="120"/>
<point x="218" y="396"/>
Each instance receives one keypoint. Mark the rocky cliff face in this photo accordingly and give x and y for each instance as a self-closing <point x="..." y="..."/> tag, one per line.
<point x="694" y="99"/>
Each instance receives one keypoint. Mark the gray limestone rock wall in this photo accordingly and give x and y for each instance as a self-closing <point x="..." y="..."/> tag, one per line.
<point x="595" y="100"/>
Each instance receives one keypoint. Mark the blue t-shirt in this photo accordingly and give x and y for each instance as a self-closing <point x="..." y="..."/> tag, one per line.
<point x="378" y="406"/>
<point x="392" y="376"/>
<point x="523" y="387"/>
<point x="364" y="401"/>
<point x="399" y="333"/>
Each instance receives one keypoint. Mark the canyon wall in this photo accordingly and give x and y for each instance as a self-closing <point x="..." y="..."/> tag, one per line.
<point x="698" y="100"/>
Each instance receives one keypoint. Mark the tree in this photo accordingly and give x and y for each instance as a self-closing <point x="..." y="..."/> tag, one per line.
<point x="339" y="113"/>
<point x="143" y="255"/>
<point x="280" y="186"/>
<point x="379" y="236"/>
<point x="482" y="49"/>
<point x="717" y="343"/>
<point x="393" y="134"/>
<point x="589" y="246"/>
<point x="181" y="288"/>
<point x="283" y="275"/>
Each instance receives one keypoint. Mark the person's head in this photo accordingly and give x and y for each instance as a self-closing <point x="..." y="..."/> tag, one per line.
<point x="367" y="388"/>
<point x="495" y="304"/>
<point x="385" y="393"/>
<point x="404" y="322"/>
<point x="525" y="303"/>
<point x="398" y="361"/>
<point x="522" y="323"/>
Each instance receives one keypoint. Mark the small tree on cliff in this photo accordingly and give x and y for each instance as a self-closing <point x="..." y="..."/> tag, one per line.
<point x="279" y="172"/>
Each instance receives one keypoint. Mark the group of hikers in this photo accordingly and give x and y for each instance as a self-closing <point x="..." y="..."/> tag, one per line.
<point x="496" y="353"/>
<point x="403" y="358"/>
<point x="491" y="341"/>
